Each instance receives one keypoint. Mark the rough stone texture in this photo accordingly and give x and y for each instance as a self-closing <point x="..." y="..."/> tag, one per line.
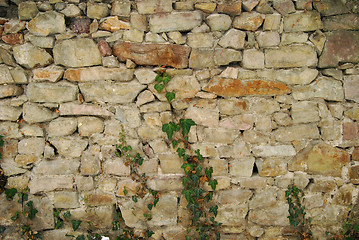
<point x="98" y="74"/>
<point x="153" y="54"/>
<point x="31" y="56"/>
<point x="305" y="112"/>
<point x="341" y="46"/>
<point x="47" y="23"/>
<point x="112" y="93"/>
<point x="34" y="113"/>
<point x="79" y="52"/>
<point x="351" y="84"/>
<point x="70" y="146"/>
<point x="175" y="21"/>
<point x="154" y="6"/>
<point x="253" y="59"/>
<point x="230" y="7"/>
<point x="27" y="10"/>
<point x="51" y="73"/>
<point x="291" y="56"/>
<point x="51" y="92"/>
<point x="97" y="10"/>
<point x="306" y="21"/>
<point x="297" y="132"/>
<point x="62" y="126"/>
<point x="67" y="109"/>
<point x="10" y="91"/>
<point x="341" y="22"/>
<point x="227" y="87"/>
<point x="248" y="21"/>
<point x="331" y="7"/>
<point x="233" y="39"/>
<point x="219" y="22"/>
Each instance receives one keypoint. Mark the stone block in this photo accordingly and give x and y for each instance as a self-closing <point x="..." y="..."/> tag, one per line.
<point x="47" y="23"/>
<point x="233" y="38"/>
<point x="331" y="7"/>
<point x="297" y="132"/>
<point x="32" y="146"/>
<point x="175" y="21"/>
<point x="263" y="198"/>
<point x="268" y="39"/>
<point x="230" y="7"/>
<point x="95" y="74"/>
<point x="253" y="59"/>
<point x="165" y="182"/>
<point x="219" y="22"/>
<point x="223" y="56"/>
<point x="97" y="10"/>
<point x="90" y="162"/>
<point x="350" y="131"/>
<point x="294" y="37"/>
<point x="51" y="73"/>
<point x="69" y="146"/>
<point x="197" y="40"/>
<point x="253" y="182"/>
<point x="341" y="22"/>
<point x="351" y="84"/>
<point x="130" y="186"/>
<point x="27" y="10"/>
<point x="232" y="215"/>
<point x="302" y="22"/>
<point x="49" y="183"/>
<point x="271" y="167"/>
<point x="52" y="92"/>
<point x="101" y="216"/>
<point x="264" y="106"/>
<point x="25" y="160"/>
<point x="183" y="86"/>
<point x="66" y="199"/>
<point x="206" y="7"/>
<point x="296" y="75"/>
<point x="272" y="22"/>
<point x="271" y="216"/>
<point x="121" y="8"/>
<point x="284" y="7"/>
<point x="170" y="163"/>
<point x="240" y="122"/>
<point x="203" y="116"/>
<point x="58" y="166"/>
<point x="291" y="56"/>
<point x="248" y="21"/>
<point x="68" y="109"/>
<point x="232" y="106"/>
<point x="274" y="151"/>
<point x="353" y="174"/>
<point x="8" y="113"/>
<point x="13" y="39"/>
<point x="201" y="58"/>
<point x="116" y="167"/>
<point x="97" y="198"/>
<point x="305" y="112"/>
<point x="154" y="6"/>
<point x="84" y="183"/>
<point x="30" y="56"/>
<point x="62" y="126"/>
<point x="19" y="182"/>
<point x="89" y="125"/>
<point x="153" y="54"/>
<point x="10" y="91"/>
<point x="227" y="87"/>
<point x="242" y="167"/>
<point x="165" y="213"/>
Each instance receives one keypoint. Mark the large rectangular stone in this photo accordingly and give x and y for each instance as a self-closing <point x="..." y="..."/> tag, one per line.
<point x="297" y="132"/>
<point x="52" y="92"/>
<point x="153" y="54"/>
<point x="271" y="151"/>
<point x="50" y="183"/>
<point x="303" y="21"/>
<point x="291" y="56"/>
<point x="176" y="21"/>
<point x="99" y="74"/>
<point x="154" y="6"/>
<point x="68" y="109"/>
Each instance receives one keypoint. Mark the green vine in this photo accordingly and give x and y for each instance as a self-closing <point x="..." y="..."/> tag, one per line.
<point x="297" y="219"/>
<point x="162" y="80"/>
<point x="203" y="224"/>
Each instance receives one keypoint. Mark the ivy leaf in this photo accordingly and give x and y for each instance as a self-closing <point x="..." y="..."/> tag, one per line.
<point x="198" y="192"/>
<point x="199" y="155"/>
<point x="149" y="233"/>
<point x="166" y="79"/>
<point x="158" y="78"/>
<point x="170" y="96"/>
<point x="59" y="223"/>
<point x="67" y="214"/>
<point x="75" y="224"/>
<point x="159" y="87"/>
<point x="169" y="128"/>
<point x="174" y="143"/>
<point x="10" y="193"/>
<point x="32" y="210"/>
<point x="125" y="191"/>
<point x="209" y="172"/>
<point x="15" y="217"/>
<point x="188" y="194"/>
<point x="181" y="152"/>
<point x="155" y="202"/>
<point x="80" y="237"/>
<point x="134" y="198"/>
<point x="213" y="183"/>
<point x="186" y="125"/>
<point x="209" y="196"/>
<point x="214" y="210"/>
<point x="185" y="181"/>
<point x="150" y="206"/>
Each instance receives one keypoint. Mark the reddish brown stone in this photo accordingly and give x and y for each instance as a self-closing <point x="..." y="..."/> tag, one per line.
<point x="355" y="154"/>
<point x="13" y="39"/>
<point x="227" y="87"/>
<point x="80" y="25"/>
<point x="341" y="46"/>
<point x="230" y="7"/>
<point x="1" y="30"/>
<point x="98" y="199"/>
<point x="354" y="174"/>
<point x="3" y="21"/>
<point x="351" y="131"/>
<point x="105" y="49"/>
<point x="153" y="54"/>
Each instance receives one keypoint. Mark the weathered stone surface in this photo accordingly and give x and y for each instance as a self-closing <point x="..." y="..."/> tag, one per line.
<point x="341" y="22"/>
<point x="206" y="7"/>
<point x="331" y="7"/>
<point x="51" y="73"/>
<point x="34" y="113"/>
<point x="230" y="7"/>
<point x="133" y="35"/>
<point x="232" y="215"/>
<point x="351" y="85"/>
<point x="113" y="24"/>
<point x="67" y="109"/>
<point x="97" y="10"/>
<point x="323" y="87"/>
<point x="104" y="48"/>
<point x="49" y="183"/>
<point x="352" y="113"/>
<point x="31" y="146"/>
<point x="81" y="52"/>
<point x="274" y="151"/>
<point x="112" y="93"/>
<point x="271" y="167"/>
<point x="39" y="41"/>
<point x="79" y="25"/>
<point x="272" y="22"/>
<point x="272" y="216"/>
<point x="253" y="59"/>
<point x="154" y="6"/>
<point x="305" y="112"/>
<point x="58" y="166"/>
<point x="203" y="116"/>
<point x="294" y="37"/>
<point x="71" y="10"/>
<point x="227" y="87"/>
<point x="121" y="8"/>
<point x="350" y="131"/>
<point x="101" y="216"/>
<point x="353" y="174"/>
<point x="30" y="56"/>
<point x="240" y="122"/>
<point x="297" y="132"/>
<point x="296" y="76"/>
<point x="306" y="21"/>
<point x="5" y="75"/>
<point x="219" y="22"/>
<point x="97" y="198"/>
<point x="201" y="58"/>
<point x="341" y="46"/>
<point x="14" y="26"/>
<point x="153" y="54"/>
<point x="89" y="125"/>
<point x="233" y="39"/>
<point x="70" y="146"/>
<point x="47" y="23"/>
<point x="184" y="86"/>
<point x="52" y="92"/>
<point x="62" y="126"/>
<point x="175" y="21"/>
<point x="99" y="74"/>
<point x="13" y="39"/>
<point x="231" y="107"/>
<point x="291" y="56"/>
<point x="10" y="91"/>
<point x="9" y="113"/>
<point x="66" y="200"/>
<point x="248" y="21"/>
<point x="196" y="40"/>
<point x="223" y="56"/>
<point x="284" y="7"/>
<point x="322" y="159"/>
<point x="27" y="10"/>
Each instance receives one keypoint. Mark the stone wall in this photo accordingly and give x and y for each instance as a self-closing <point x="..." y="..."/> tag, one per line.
<point x="272" y="85"/>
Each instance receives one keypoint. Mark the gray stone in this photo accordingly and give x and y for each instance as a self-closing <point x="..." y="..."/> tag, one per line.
<point x="10" y="91"/>
<point x="110" y="62"/>
<point x="154" y="6"/>
<point x="133" y="35"/>
<point x="97" y="10"/>
<point x="145" y="97"/>
<point x="240" y="122"/>
<point x="112" y="93"/>
<point x="44" y="218"/>
<point x="291" y="56"/>
<point x="27" y="10"/>
<point x="231" y="106"/>
<point x="253" y="59"/>
<point x="31" y="146"/>
<point x="341" y="22"/>
<point x="19" y="75"/>
<point x="323" y="87"/>
<point x="95" y="74"/>
<point x="66" y="200"/>
<point x="248" y="5"/>
<point x="203" y="116"/>
<point x="305" y="112"/>
<point x="175" y="21"/>
<point x="14" y="26"/>
<point x="219" y="22"/>
<point x="293" y="37"/>
<point x="68" y="109"/>
<point x="71" y="10"/>
<point x="351" y="84"/>
<point x="61" y="127"/>
<point x="79" y="52"/>
<point x="296" y="75"/>
<point x="47" y="23"/>
<point x="121" y="8"/>
<point x="272" y="22"/>
<point x="52" y="92"/>
<point x="273" y="216"/>
<point x="70" y="146"/>
<point x="177" y="37"/>
<point x="89" y="125"/>
<point x="248" y="21"/>
<point x="282" y="118"/>
<point x="139" y="21"/>
<point x="297" y="132"/>
<point x="274" y="151"/>
<point x="184" y="86"/>
<point x="305" y="21"/>
<point x="30" y="56"/>
<point x="233" y="39"/>
<point x="49" y="183"/>
<point x="154" y="37"/>
<point x="201" y="58"/>
<point x="223" y="56"/>
<point x="197" y="40"/>
<point x="263" y="198"/>
<point x="331" y="7"/>
<point x="32" y="130"/>
<point x="51" y="73"/>
<point x="8" y="113"/>
<point x="58" y="166"/>
<point x="268" y="39"/>
<point x="284" y="7"/>
<point x="34" y="113"/>
<point x="5" y="75"/>
<point x="145" y="75"/>
<point x="90" y="161"/>
<point x="318" y="39"/>
<point x="11" y="129"/>
<point x="242" y="167"/>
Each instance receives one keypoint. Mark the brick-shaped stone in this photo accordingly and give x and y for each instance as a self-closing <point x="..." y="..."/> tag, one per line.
<point x="304" y="21"/>
<point x="52" y="92"/>
<point x="175" y="21"/>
